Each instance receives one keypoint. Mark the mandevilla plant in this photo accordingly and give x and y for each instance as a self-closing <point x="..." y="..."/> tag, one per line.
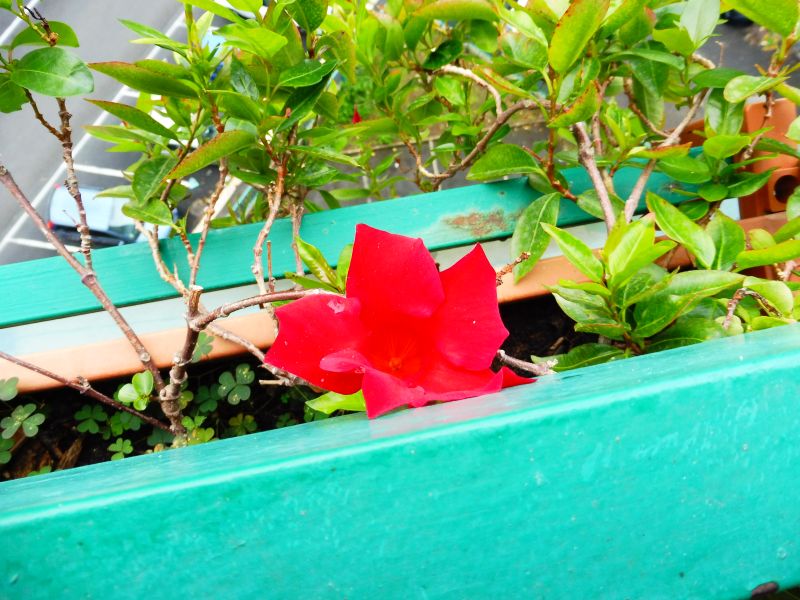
<point x="308" y="105"/>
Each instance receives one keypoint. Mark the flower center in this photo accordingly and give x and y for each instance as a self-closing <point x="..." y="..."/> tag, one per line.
<point x="395" y="363"/>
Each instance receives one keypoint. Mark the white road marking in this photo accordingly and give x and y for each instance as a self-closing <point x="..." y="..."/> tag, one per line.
<point x="59" y="173"/>
<point x="15" y="23"/>
<point x="39" y="244"/>
<point x="116" y="173"/>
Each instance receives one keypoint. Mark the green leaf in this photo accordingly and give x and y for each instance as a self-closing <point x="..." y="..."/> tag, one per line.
<point x="153" y="211"/>
<point x="793" y="205"/>
<point x="30" y="37"/>
<point x="779" y="253"/>
<point x="316" y="262"/>
<point x="694" y="209"/>
<point x="137" y="118"/>
<point x="53" y="71"/>
<point x="212" y="7"/>
<point x="715" y="78"/>
<point x="143" y="383"/>
<point x="529" y="235"/>
<point x="777" y="293"/>
<point x="682" y="229"/>
<point x="780" y="16"/>
<point x="578" y="253"/>
<point x="445" y="53"/>
<point x="308" y="72"/>
<point x="8" y="388"/>
<point x="501" y="160"/>
<point x="665" y="152"/>
<point x="748" y="183"/>
<point x="685" y="169"/>
<point x="699" y="18"/>
<point x="224" y="144"/>
<point x="457" y="10"/>
<point x="244" y="374"/>
<point x="343" y="265"/>
<point x="729" y="241"/>
<point x="794" y="130"/>
<point x="723" y="117"/>
<point x="300" y="102"/>
<point x="308" y="13"/>
<point x="573" y="32"/>
<point x="686" y="331"/>
<point x="788" y="231"/>
<point x="331" y="402"/>
<point x="712" y="192"/>
<point x="145" y="80"/>
<point x="723" y="146"/>
<point x="586" y="355"/>
<point x="12" y="96"/>
<point x="251" y="37"/>
<point x="326" y="154"/>
<point x="149" y="175"/>
<point x="205" y="344"/>
<point x="743" y="87"/>
<point x="127" y="394"/>
<point x="676" y="39"/>
<point x="581" y="110"/>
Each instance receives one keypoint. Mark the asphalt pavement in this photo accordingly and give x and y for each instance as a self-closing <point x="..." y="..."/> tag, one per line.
<point x="31" y="154"/>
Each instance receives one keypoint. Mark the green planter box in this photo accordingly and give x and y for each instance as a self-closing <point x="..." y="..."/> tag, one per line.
<point x="639" y="479"/>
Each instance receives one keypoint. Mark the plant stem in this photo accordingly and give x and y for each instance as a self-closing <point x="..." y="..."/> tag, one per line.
<point x="200" y="322"/>
<point x="546" y="368"/>
<point x="586" y="157"/>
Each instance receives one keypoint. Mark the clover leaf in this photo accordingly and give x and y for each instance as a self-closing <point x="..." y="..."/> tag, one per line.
<point x="204" y="345"/>
<point x="5" y="450"/>
<point x="120" y="448"/>
<point x="25" y="417"/>
<point x="122" y="421"/>
<point x="8" y="389"/>
<point x="207" y="398"/>
<point x="42" y="471"/>
<point x="197" y="434"/>
<point x="89" y="418"/>
<point x="242" y="424"/>
<point x="236" y="387"/>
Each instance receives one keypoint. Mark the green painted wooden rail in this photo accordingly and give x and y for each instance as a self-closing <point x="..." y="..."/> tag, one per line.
<point x="443" y="219"/>
<point x="665" y="476"/>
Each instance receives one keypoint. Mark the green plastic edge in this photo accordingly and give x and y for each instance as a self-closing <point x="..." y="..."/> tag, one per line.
<point x="444" y="219"/>
<point x="640" y="479"/>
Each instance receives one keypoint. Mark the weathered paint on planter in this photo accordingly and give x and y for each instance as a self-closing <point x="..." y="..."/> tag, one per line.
<point x="666" y="476"/>
<point x="443" y="219"/>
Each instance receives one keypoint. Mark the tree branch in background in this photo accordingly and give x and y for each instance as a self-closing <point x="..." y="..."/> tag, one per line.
<point x="85" y="388"/>
<point x="88" y="277"/>
<point x="586" y="157"/>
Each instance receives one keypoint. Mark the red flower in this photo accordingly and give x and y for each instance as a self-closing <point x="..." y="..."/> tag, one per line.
<point x="405" y="334"/>
<point x="356" y="116"/>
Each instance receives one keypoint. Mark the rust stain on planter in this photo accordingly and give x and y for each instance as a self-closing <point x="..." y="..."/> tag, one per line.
<point x="482" y="224"/>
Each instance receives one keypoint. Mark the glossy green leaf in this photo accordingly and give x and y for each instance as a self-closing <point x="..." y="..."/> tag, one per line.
<point x="153" y="211"/>
<point x="224" y="144"/>
<point x="445" y="53"/>
<point x="724" y="146"/>
<point x="789" y="230"/>
<point x="699" y="18"/>
<point x="215" y="8"/>
<point x="743" y="87"/>
<point x="768" y="144"/>
<point x="694" y="209"/>
<point x="636" y="237"/>
<point x="331" y="402"/>
<point x="457" y="10"/>
<point x="137" y="118"/>
<point x="326" y="154"/>
<point x="30" y="37"/>
<point x="8" y="388"/>
<point x="529" y="235"/>
<point x="779" y="253"/>
<point x="713" y="192"/>
<point x="760" y="239"/>
<point x="619" y="15"/>
<point x="728" y="238"/>
<point x="260" y="41"/>
<point x="578" y="253"/>
<point x="308" y="72"/>
<point x="149" y="175"/>
<point x="682" y="229"/>
<point x="586" y="355"/>
<point x="316" y="262"/>
<point x="686" y="331"/>
<point x="53" y="71"/>
<point x="574" y="30"/>
<point x="309" y="14"/>
<point x="793" y="205"/>
<point x="764" y="322"/>
<point x="748" y="183"/>
<point x="676" y="39"/>
<point x="343" y="265"/>
<point x="501" y="160"/>
<point x="12" y="96"/>
<point x="777" y="293"/>
<point x="143" y="383"/>
<point x="715" y="78"/>
<point x="723" y="117"/>
<point x="780" y="16"/>
<point x="647" y="281"/>
<point x="581" y="110"/>
<point x="685" y="169"/>
<point x="661" y="152"/>
<point x="145" y="80"/>
<point x="300" y="102"/>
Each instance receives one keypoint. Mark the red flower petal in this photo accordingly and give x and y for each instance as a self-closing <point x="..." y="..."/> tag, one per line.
<point x="511" y="379"/>
<point x="312" y="328"/>
<point x="467" y="326"/>
<point x="384" y="392"/>
<point x="393" y="273"/>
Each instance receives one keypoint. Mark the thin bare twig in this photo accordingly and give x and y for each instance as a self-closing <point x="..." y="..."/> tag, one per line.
<point x="638" y="189"/>
<point x="88" y="277"/>
<point x="207" y="216"/>
<point x="510" y="267"/>
<point x="274" y="196"/>
<point x="586" y="158"/>
<point x="85" y="388"/>
<point x="200" y="322"/>
<point x="738" y="296"/>
<point x="544" y="368"/>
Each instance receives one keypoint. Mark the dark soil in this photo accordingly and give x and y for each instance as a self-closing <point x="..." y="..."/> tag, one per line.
<point x="537" y="327"/>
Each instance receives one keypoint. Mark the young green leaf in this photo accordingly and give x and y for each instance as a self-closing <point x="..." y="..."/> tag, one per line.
<point x="529" y="235"/>
<point x="788" y="231"/>
<point x="12" y="96"/>
<point x="306" y="73"/>
<point x="743" y="87"/>
<point x="457" y="10"/>
<point x="682" y="229"/>
<point x="729" y="241"/>
<point x="788" y="250"/>
<point x="501" y="160"/>
<point x="685" y="169"/>
<point x="8" y="388"/>
<point x="699" y="18"/>
<point x="578" y="253"/>
<point x="331" y="402"/>
<point x="30" y="37"/>
<point x="574" y="30"/>
<point x="777" y="293"/>
<point x="316" y="262"/>
<point x="723" y="146"/>
<point x="153" y="211"/>
<point x="586" y="355"/>
<point x="149" y="175"/>
<point x="308" y="13"/>
<point x="53" y="71"/>
<point x="780" y="16"/>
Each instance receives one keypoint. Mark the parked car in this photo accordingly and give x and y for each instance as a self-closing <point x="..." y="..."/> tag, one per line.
<point x="107" y="223"/>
